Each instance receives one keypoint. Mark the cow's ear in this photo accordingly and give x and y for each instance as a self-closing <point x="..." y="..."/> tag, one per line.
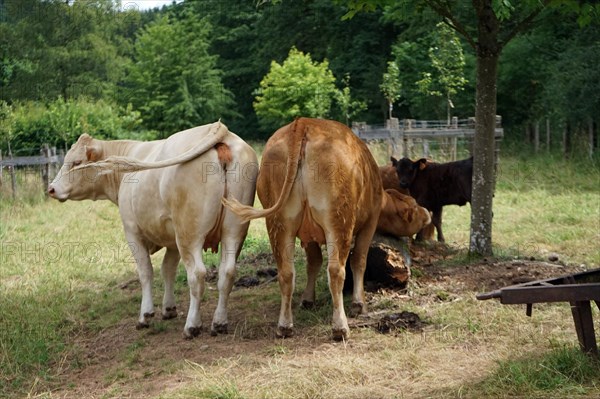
<point x="394" y="161"/>
<point x="422" y="163"/>
<point x="92" y="153"/>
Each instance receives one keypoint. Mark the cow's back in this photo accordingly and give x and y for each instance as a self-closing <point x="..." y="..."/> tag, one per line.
<point x="162" y="201"/>
<point x="337" y="181"/>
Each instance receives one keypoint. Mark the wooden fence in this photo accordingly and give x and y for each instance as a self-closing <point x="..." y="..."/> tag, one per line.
<point x="415" y="138"/>
<point x="45" y="165"/>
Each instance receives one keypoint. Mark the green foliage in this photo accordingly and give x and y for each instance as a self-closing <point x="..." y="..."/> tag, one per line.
<point x="448" y="62"/>
<point x="297" y="87"/>
<point x="91" y="49"/>
<point x="391" y="86"/>
<point x="348" y="107"/>
<point x="26" y="126"/>
<point x="53" y="48"/>
<point x="174" y="81"/>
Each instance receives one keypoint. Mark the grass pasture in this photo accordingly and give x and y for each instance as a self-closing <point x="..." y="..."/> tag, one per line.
<point x="70" y="302"/>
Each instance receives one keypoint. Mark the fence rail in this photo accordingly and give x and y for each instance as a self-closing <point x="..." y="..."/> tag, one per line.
<point x="47" y="164"/>
<point x="403" y="135"/>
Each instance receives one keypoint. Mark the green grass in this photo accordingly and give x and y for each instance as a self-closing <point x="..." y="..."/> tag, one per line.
<point x="564" y="372"/>
<point x="61" y="266"/>
<point x="543" y="205"/>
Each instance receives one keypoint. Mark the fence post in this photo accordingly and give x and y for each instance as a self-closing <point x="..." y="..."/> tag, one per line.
<point x="53" y="164"/>
<point x="45" y="151"/>
<point x="13" y="176"/>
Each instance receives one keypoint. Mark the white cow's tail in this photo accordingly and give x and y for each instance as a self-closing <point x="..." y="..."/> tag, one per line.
<point x="215" y="135"/>
<point x="247" y="213"/>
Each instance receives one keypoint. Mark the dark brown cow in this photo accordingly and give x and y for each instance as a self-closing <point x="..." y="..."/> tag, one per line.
<point x="435" y="185"/>
<point x="318" y="182"/>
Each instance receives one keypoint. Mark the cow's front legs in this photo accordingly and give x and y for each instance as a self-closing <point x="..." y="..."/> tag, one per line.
<point x="337" y="252"/>
<point x="196" y="275"/>
<point x="169" y="271"/>
<point x="314" y="260"/>
<point x="145" y="274"/>
<point x="436" y="220"/>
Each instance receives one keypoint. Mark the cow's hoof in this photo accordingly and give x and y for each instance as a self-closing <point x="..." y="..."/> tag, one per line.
<point x="284" y="332"/>
<point x="149" y="315"/>
<point x="192" y="332"/>
<point x="218" y="329"/>
<point x="169" y="313"/>
<point x="308" y="304"/>
<point x="357" y="309"/>
<point x="141" y="325"/>
<point x="340" y="334"/>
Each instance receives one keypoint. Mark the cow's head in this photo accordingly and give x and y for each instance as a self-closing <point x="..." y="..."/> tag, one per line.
<point x="76" y="183"/>
<point x="407" y="170"/>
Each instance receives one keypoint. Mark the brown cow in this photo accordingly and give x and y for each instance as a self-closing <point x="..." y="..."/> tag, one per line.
<point x="318" y="182"/>
<point x="401" y="216"/>
<point x="389" y="178"/>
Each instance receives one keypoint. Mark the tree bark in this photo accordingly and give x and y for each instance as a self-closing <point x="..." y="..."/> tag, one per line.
<point x="590" y="138"/>
<point x="484" y="179"/>
<point x="536" y="137"/>
<point x="547" y="134"/>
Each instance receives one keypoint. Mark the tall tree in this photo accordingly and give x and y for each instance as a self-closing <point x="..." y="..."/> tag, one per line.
<point x="487" y="26"/>
<point x="448" y="62"/>
<point x="51" y="49"/>
<point x="174" y="81"/>
<point x="391" y="86"/>
<point x="297" y="87"/>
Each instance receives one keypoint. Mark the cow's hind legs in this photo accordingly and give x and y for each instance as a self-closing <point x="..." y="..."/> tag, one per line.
<point x="169" y="270"/>
<point x="284" y="255"/>
<point x="358" y="263"/>
<point x="314" y="260"/>
<point x="229" y="250"/>
<point x="337" y="252"/>
<point x="196" y="274"/>
<point x="145" y="274"/>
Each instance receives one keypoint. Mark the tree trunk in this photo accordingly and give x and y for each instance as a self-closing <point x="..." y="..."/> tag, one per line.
<point x="567" y="140"/>
<point x="547" y="134"/>
<point x="488" y="51"/>
<point x="590" y="138"/>
<point x="536" y="137"/>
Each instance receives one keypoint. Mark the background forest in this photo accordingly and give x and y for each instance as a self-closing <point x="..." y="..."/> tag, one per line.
<point x="112" y="70"/>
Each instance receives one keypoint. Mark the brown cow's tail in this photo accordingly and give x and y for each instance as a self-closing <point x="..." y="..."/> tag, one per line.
<point x="247" y="213"/>
<point x="216" y="134"/>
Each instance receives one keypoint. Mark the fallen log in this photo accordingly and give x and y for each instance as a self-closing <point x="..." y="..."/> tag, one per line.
<point x="388" y="264"/>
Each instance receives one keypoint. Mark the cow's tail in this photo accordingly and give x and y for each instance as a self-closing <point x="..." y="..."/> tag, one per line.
<point x="216" y="134"/>
<point x="247" y="213"/>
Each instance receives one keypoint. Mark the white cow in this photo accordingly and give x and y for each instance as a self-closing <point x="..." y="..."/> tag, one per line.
<point x="169" y="195"/>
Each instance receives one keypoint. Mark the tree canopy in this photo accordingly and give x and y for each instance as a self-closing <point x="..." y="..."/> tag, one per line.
<point x="103" y="50"/>
<point x="173" y="80"/>
<point x="297" y="87"/>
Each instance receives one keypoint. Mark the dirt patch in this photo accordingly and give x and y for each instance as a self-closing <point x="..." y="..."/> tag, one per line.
<point x="123" y="362"/>
<point x="434" y="263"/>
